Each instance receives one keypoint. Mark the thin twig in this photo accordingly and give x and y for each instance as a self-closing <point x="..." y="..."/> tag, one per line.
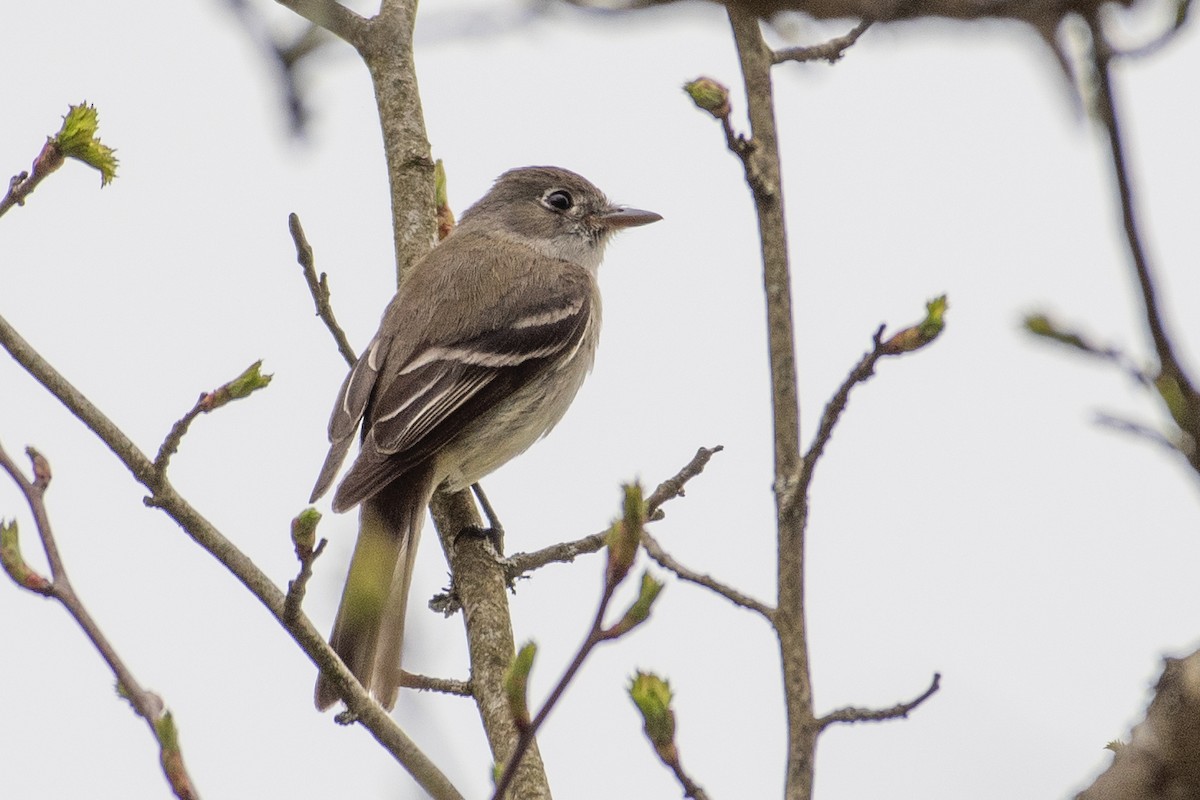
<point x="669" y="562"/>
<point x="862" y="372"/>
<point x="249" y="381"/>
<point x="690" y="787"/>
<point x="425" y="683"/>
<point x="170" y="445"/>
<point x="21" y="185"/>
<point x="148" y="705"/>
<point x="1138" y="429"/>
<point x="283" y="54"/>
<point x="830" y="51"/>
<point x="319" y="288"/>
<point x="518" y="565"/>
<point x="1188" y="416"/>
<point x="298" y="585"/>
<point x="898" y="711"/>
<point x="673" y="487"/>
<point x="565" y="552"/>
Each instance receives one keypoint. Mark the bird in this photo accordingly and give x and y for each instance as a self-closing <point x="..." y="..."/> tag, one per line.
<point x="477" y="356"/>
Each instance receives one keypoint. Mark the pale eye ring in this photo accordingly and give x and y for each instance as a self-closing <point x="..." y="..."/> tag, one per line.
<point x="559" y="200"/>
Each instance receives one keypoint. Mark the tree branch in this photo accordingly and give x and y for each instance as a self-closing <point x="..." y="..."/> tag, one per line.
<point x="319" y="289"/>
<point x="898" y="711"/>
<point x="791" y="509"/>
<point x="862" y="372"/>
<point x="830" y="51"/>
<point x="333" y="17"/>
<point x="673" y="487"/>
<point x="480" y="585"/>
<point x="1173" y="380"/>
<point x="669" y="562"/>
<point x="148" y="705"/>
<point x="425" y="683"/>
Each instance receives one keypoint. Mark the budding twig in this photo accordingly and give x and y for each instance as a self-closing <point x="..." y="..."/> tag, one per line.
<point x="148" y="705"/>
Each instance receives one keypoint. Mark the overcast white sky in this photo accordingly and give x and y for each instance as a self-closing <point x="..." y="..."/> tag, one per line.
<point x="969" y="517"/>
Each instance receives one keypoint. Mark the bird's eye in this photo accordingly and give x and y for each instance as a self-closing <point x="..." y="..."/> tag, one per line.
<point x="560" y="200"/>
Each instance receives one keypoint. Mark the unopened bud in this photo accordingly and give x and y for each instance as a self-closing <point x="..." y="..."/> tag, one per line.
<point x="921" y="334"/>
<point x="710" y="96"/>
<point x="14" y="563"/>
<point x="639" y="612"/>
<point x="652" y="696"/>
<point x="250" y="381"/>
<point x="304" y="532"/>
<point x="1042" y="325"/>
<point x="625" y="535"/>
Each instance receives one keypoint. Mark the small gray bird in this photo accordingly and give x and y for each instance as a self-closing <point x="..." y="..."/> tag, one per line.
<point x="477" y="357"/>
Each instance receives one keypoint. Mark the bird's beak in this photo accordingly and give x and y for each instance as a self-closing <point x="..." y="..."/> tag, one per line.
<point x="618" y="217"/>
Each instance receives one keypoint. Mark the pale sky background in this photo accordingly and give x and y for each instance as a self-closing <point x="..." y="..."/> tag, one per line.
<point x="969" y="518"/>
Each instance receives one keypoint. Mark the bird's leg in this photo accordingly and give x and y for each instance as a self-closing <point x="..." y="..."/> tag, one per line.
<point x="495" y="531"/>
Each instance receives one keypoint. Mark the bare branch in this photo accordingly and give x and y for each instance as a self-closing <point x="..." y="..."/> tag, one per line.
<point x="830" y="51"/>
<point x="170" y="445"/>
<point x="319" y="288"/>
<point x="146" y="704"/>
<point x="898" y="711"/>
<point x="1138" y="429"/>
<point x="563" y="553"/>
<point x="424" y="683"/>
<point x="673" y="487"/>
<point x="862" y="372"/>
<point x="668" y="562"/>
<point x="479" y="585"/>
<point x="764" y="178"/>
<point x="333" y="17"/>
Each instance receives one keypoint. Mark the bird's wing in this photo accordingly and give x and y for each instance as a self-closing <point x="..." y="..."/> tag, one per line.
<point x="419" y="405"/>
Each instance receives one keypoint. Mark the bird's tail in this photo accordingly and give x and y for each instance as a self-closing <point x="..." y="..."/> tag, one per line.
<point x="369" y="630"/>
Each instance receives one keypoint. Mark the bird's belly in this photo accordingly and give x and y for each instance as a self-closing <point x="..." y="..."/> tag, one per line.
<point x="507" y="431"/>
